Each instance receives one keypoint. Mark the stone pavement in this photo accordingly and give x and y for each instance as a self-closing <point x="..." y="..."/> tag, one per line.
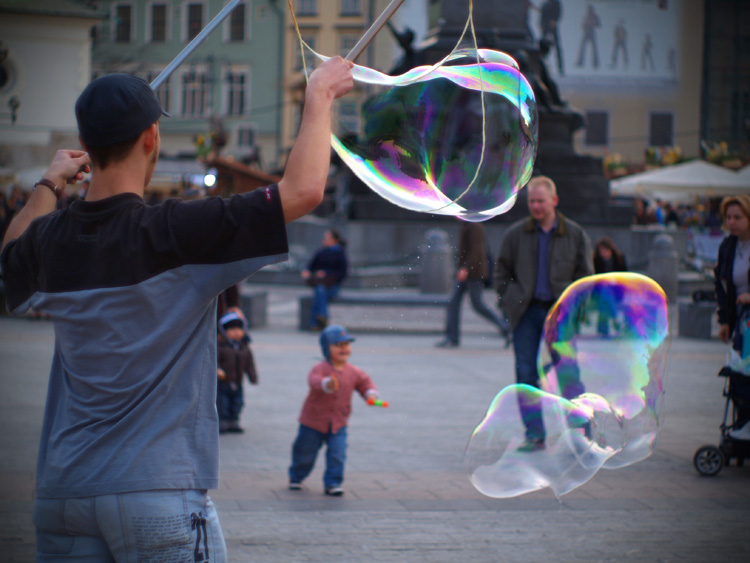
<point x="407" y="496"/>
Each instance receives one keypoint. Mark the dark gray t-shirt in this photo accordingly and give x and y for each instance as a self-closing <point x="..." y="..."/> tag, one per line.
<point x="131" y="290"/>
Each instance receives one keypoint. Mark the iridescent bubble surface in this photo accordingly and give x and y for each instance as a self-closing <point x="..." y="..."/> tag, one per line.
<point x="602" y="364"/>
<point x="427" y="143"/>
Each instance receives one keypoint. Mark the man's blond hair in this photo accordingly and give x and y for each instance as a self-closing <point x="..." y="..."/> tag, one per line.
<point x="545" y="181"/>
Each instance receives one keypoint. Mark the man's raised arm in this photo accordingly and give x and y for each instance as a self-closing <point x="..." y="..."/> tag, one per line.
<point x="306" y="171"/>
<point x="64" y="167"/>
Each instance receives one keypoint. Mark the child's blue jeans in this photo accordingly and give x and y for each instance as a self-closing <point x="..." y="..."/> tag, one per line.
<point x="305" y="451"/>
<point x="229" y="402"/>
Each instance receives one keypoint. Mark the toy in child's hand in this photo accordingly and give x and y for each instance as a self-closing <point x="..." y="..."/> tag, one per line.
<point x="333" y="384"/>
<point x="373" y="402"/>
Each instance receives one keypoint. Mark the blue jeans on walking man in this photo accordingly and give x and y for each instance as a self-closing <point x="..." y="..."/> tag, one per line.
<point x="526" y="339"/>
<point x="305" y="451"/>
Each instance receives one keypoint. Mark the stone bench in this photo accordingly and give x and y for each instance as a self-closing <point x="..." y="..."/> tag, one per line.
<point x="254" y="305"/>
<point x="373" y="299"/>
<point x="696" y="318"/>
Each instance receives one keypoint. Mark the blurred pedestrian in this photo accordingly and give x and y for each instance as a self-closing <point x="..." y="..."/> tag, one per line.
<point x="325" y="272"/>
<point x="732" y="272"/>
<point x="732" y="286"/>
<point x="473" y="270"/>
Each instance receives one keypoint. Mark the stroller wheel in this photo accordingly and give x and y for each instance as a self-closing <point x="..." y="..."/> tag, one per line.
<point x="708" y="460"/>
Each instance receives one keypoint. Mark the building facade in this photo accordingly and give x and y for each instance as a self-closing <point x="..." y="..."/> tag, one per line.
<point x="44" y="64"/>
<point x="226" y="95"/>
<point x="333" y="27"/>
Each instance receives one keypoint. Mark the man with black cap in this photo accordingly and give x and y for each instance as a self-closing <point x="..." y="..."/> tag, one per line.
<point x="129" y="441"/>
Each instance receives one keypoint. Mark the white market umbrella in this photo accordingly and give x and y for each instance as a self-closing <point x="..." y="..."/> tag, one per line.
<point x="681" y="182"/>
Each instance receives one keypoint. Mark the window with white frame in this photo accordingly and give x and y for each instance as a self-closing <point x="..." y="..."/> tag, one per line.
<point x="237" y="91"/>
<point x="351" y="7"/>
<point x="661" y="129"/>
<point x="246" y="137"/>
<point x="237" y="24"/>
<point x="162" y="92"/>
<point x="194" y="13"/>
<point x="307" y="7"/>
<point x="195" y="93"/>
<point x="123" y="23"/>
<point x="158" y="18"/>
<point x="597" y="128"/>
<point x="309" y="57"/>
<point x="348" y="117"/>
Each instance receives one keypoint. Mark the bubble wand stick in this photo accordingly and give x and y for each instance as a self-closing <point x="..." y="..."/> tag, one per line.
<point x="193" y="45"/>
<point x="221" y="16"/>
<point x="214" y="23"/>
<point x="376" y="26"/>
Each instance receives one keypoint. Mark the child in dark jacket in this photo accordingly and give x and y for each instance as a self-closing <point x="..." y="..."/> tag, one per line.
<point x="235" y="359"/>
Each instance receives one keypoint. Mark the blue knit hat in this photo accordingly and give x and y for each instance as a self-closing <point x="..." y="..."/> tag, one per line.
<point x="333" y="335"/>
<point x="231" y="320"/>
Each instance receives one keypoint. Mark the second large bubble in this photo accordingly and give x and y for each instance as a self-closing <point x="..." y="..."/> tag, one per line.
<point x="602" y="366"/>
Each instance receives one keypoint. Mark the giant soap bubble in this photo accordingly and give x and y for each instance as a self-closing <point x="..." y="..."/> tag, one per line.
<point x="602" y="364"/>
<point x="458" y="138"/>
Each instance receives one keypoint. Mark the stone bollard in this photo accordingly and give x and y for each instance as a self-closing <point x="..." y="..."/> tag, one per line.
<point x="436" y="258"/>
<point x="663" y="265"/>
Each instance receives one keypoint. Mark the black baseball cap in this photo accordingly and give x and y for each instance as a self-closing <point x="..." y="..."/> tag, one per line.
<point x="116" y="108"/>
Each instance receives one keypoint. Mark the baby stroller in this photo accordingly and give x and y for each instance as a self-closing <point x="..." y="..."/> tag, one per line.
<point x="735" y="434"/>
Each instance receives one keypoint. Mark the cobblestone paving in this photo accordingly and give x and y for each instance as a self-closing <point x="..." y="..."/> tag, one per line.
<point x="407" y="496"/>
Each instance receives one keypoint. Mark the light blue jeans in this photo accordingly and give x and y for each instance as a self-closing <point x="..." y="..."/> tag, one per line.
<point x="173" y="525"/>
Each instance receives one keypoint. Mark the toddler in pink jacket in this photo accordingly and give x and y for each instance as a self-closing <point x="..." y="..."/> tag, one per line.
<point x="326" y="411"/>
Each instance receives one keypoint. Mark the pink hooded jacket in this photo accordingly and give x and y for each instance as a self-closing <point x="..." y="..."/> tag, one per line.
<point x="324" y="411"/>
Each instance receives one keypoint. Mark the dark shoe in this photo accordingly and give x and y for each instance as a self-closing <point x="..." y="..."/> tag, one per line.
<point x="334" y="491"/>
<point x="235" y="428"/>
<point x="321" y="321"/>
<point x="295" y="486"/>
<point x="529" y="446"/>
<point x="446" y="344"/>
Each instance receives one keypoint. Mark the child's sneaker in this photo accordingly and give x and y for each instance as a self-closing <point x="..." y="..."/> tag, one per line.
<point x="295" y="486"/>
<point x="334" y="491"/>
